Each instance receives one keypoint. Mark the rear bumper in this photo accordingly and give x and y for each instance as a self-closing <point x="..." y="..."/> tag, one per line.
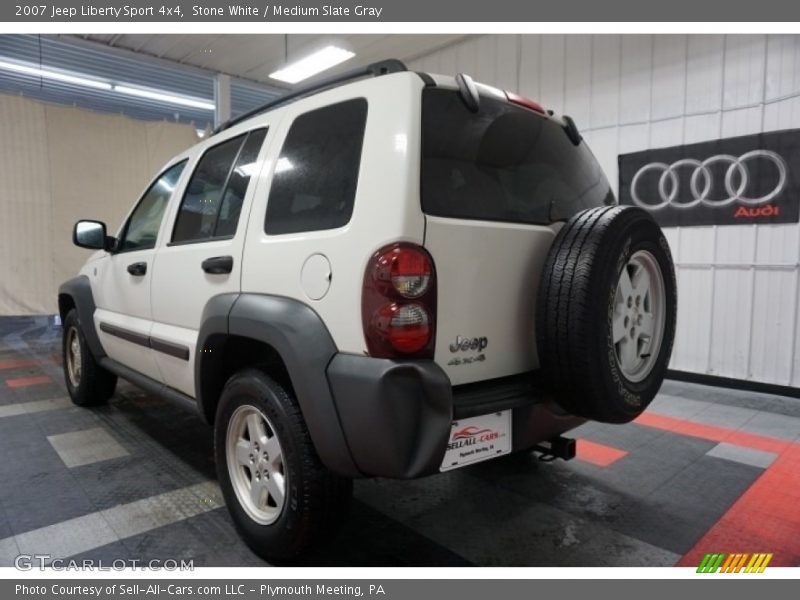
<point x="396" y="415"/>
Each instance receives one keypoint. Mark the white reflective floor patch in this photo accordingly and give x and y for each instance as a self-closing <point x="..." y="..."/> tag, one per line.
<point x="68" y="537"/>
<point x="8" y="552"/>
<point x="137" y="517"/>
<point x="97" y="529"/>
<point x="27" y="408"/>
<point x="746" y="456"/>
<point x="79" y="448"/>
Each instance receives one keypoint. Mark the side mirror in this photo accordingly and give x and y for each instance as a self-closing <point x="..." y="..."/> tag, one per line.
<point x="92" y="235"/>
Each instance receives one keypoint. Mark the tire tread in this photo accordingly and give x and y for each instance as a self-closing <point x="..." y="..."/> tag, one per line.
<point x="97" y="384"/>
<point x="581" y="256"/>
<point x="323" y="497"/>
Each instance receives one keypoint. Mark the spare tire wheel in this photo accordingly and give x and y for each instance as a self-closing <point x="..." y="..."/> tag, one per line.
<point x="605" y="317"/>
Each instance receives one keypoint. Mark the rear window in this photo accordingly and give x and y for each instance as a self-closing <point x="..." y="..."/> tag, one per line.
<point x="316" y="174"/>
<point x="503" y="163"/>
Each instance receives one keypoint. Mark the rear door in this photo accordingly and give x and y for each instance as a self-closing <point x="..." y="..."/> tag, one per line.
<point x="123" y="318"/>
<point x="202" y="255"/>
<point x="495" y="183"/>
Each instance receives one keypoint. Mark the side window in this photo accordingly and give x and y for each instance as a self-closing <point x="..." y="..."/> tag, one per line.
<point x="141" y="230"/>
<point x="237" y="184"/>
<point x="213" y="199"/>
<point x="316" y="174"/>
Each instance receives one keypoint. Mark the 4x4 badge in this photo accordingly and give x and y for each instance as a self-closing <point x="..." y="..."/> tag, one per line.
<point x="465" y="344"/>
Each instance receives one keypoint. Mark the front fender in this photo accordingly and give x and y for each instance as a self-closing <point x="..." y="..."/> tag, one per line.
<point x="78" y="290"/>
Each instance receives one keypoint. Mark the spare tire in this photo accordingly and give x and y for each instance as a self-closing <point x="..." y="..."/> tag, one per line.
<point x="605" y="317"/>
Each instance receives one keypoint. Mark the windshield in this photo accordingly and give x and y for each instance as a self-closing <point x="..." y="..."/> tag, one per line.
<point x="503" y="163"/>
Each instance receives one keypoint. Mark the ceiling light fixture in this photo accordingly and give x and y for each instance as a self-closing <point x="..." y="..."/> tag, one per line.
<point x="164" y="97"/>
<point x="312" y="64"/>
<point x="81" y="80"/>
<point x="55" y="75"/>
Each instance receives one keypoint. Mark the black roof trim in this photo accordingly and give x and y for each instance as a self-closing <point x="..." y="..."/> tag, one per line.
<point x="427" y="79"/>
<point x="376" y="69"/>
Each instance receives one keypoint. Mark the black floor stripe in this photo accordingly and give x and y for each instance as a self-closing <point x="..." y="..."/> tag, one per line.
<point x="370" y="538"/>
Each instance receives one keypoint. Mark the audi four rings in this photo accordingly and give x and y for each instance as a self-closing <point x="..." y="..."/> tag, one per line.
<point x="701" y="178"/>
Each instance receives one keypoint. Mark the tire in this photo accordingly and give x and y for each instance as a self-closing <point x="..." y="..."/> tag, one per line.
<point x="315" y="500"/>
<point x="88" y="384"/>
<point x="585" y="303"/>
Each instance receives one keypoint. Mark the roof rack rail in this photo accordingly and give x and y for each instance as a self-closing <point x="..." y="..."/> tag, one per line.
<point x="375" y="69"/>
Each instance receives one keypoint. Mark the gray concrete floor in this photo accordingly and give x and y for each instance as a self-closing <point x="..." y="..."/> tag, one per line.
<point x="135" y="480"/>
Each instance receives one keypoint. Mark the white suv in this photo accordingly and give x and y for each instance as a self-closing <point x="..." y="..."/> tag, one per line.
<point x="387" y="274"/>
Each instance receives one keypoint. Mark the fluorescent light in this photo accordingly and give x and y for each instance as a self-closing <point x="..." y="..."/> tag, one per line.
<point x="167" y="187"/>
<point x="401" y="142"/>
<point x="78" y="79"/>
<point x="165" y="97"/>
<point x="283" y="164"/>
<point x="248" y="170"/>
<point x="312" y="64"/>
<point x="56" y="75"/>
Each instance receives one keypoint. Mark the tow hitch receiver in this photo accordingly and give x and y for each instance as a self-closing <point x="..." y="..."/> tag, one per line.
<point x="558" y="447"/>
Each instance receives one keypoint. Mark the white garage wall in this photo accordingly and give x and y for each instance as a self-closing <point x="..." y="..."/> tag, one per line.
<point x="738" y="285"/>
<point x="58" y="165"/>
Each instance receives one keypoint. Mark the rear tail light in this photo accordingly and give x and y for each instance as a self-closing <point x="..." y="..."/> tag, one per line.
<point x="405" y="269"/>
<point x="406" y="327"/>
<point x="526" y="102"/>
<point x="398" y="304"/>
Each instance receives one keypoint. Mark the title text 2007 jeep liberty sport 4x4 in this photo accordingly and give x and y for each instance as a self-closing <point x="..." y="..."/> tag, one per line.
<point x="387" y="274"/>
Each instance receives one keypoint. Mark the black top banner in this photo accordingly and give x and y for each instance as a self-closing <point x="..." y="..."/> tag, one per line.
<point x="733" y="181"/>
<point x="438" y="11"/>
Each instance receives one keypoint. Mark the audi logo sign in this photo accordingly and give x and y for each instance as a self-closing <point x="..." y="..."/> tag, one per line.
<point x="747" y="179"/>
<point x="668" y="183"/>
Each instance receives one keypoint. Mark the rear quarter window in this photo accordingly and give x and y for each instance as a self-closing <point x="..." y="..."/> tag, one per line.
<point x="213" y="199"/>
<point x="316" y="175"/>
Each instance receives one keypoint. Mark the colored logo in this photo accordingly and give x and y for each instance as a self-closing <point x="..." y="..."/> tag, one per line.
<point x="734" y="563"/>
<point x="701" y="181"/>
<point x="469" y="432"/>
<point x="473" y="436"/>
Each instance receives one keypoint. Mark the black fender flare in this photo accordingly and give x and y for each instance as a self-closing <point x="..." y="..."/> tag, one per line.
<point x="296" y="332"/>
<point x="79" y="290"/>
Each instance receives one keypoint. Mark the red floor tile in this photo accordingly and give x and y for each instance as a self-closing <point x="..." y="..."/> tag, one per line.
<point x="713" y="433"/>
<point x="26" y="381"/>
<point x="23" y="363"/>
<point x="766" y="518"/>
<point x="598" y="454"/>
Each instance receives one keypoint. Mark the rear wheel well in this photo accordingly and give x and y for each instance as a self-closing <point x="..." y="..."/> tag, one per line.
<point x="65" y="304"/>
<point x="229" y="354"/>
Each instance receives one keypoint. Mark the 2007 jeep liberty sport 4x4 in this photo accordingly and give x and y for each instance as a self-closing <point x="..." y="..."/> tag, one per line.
<point x="388" y="274"/>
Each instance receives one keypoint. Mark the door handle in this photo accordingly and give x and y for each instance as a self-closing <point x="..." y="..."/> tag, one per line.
<point x="218" y="265"/>
<point x="137" y="269"/>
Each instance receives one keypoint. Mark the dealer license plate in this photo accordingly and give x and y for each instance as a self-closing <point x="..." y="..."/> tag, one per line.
<point x="478" y="438"/>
